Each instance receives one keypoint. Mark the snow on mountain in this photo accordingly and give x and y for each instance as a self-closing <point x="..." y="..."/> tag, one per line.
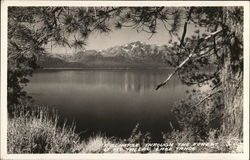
<point x="132" y="54"/>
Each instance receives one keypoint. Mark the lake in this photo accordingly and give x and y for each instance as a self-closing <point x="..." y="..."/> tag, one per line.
<point x="111" y="102"/>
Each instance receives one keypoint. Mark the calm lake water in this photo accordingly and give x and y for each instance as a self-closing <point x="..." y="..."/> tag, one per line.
<point x="110" y="101"/>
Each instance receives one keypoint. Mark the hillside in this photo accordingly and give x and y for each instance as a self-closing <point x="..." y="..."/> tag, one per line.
<point x="135" y="54"/>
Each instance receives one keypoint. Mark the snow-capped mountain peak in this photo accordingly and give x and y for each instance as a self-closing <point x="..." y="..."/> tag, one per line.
<point x="131" y="54"/>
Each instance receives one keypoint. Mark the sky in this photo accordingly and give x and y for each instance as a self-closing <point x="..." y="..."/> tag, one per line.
<point x="126" y="35"/>
<point x="98" y="41"/>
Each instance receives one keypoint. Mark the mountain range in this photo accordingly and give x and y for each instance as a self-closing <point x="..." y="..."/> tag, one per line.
<point x="132" y="55"/>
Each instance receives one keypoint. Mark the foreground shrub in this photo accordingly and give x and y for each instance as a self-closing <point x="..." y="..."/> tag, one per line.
<point x="226" y="144"/>
<point x="37" y="132"/>
<point x="215" y="143"/>
<point x="136" y="143"/>
<point x="101" y="144"/>
<point x="137" y="136"/>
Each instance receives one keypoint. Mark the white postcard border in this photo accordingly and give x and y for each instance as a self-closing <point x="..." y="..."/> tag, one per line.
<point x="3" y="109"/>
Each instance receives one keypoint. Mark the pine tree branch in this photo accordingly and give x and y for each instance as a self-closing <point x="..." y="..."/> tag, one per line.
<point x="185" y="27"/>
<point x="187" y="59"/>
<point x="163" y="22"/>
<point x="208" y="96"/>
<point x="173" y="73"/>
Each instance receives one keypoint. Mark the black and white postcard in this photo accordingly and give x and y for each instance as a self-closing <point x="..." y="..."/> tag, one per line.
<point x="124" y="79"/>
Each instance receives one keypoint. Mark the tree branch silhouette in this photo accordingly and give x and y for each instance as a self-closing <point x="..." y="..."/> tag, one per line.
<point x="187" y="59"/>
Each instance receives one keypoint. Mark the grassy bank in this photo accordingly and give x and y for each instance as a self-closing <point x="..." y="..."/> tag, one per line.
<point x="37" y="131"/>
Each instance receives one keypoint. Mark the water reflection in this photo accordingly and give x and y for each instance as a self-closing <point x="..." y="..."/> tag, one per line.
<point x="127" y="80"/>
<point x="110" y="101"/>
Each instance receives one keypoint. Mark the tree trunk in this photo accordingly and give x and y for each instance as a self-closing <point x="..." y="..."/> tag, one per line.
<point x="233" y="101"/>
<point x="232" y="78"/>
